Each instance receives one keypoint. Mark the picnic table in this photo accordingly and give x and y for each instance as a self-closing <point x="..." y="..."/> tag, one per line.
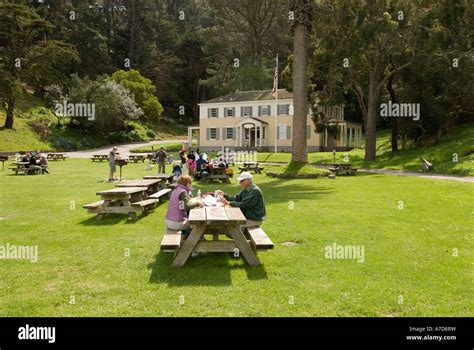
<point x="215" y="173"/>
<point x="125" y="200"/>
<point x="152" y="185"/>
<point x="26" y="167"/>
<point x="217" y="222"/>
<point x="99" y="157"/>
<point x="3" y="159"/>
<point x="56" y="156"/>
<point x="248" y="166"/>
<point x="137" y="157"/>
<point x="165" y="177"/>
<point x="342" y="169"/>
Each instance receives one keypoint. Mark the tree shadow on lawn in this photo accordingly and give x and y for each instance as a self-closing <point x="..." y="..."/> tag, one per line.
<point x="113" y="219"/>
<point x="212" y="269"/>
<point x="274" y="190"/>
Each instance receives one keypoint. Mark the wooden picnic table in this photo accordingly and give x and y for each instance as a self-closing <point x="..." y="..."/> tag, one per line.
<point x="152" y="185"/>
<point x="125" y="200"/>
<point x="164" y="177"/>
<point x="99" y="157"/>
<point x="216" y="221"/>
<point x="215" y="173"/>
<point x="3" y="159"/>
<point x="248" y="166"/>
<point x="26" y="168"/>
<point x="56" y="156"/>
<point x="137" y="157"/>
<point x="342" y="168"/>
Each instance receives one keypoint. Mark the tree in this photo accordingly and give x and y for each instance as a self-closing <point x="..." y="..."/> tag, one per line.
<point x="249" y="21"/>
<point x="302" y="11"/>
<point x="354" y="42"/>
<point x="143" y="91"/>
<point x="113" y="103"/>
<point x="24" y="59"/>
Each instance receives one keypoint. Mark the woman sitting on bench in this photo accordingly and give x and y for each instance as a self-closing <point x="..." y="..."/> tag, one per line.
<point x="180" y="205"/>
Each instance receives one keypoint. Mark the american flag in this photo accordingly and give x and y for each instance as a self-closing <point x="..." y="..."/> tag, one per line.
<point x="275" y="83"/>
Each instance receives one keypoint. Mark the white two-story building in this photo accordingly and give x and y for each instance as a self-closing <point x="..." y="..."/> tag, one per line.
<point x="250" y="119"/>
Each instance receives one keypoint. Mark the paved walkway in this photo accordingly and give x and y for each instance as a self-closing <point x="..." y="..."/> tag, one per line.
<point x="123" y="149"/>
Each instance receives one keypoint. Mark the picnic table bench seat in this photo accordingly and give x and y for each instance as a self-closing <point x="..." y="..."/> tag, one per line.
<point x="32" y="169"/>
<point x="93" y="205"/>
<point x="160" y="193"/>
<point x="145" y="203"/>
<point x="171" y="241"/>
<point x="259" y="238"/>
<point x="257" y="169"/>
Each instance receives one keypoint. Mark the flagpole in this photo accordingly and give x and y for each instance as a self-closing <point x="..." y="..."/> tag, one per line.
<point x="276" y="103"/>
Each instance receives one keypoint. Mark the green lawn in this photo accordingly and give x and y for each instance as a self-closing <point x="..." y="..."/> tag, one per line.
<point x="460" y="142"/>
<point x="408" y="253"/>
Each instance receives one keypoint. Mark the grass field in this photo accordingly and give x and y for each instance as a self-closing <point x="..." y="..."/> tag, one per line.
<point x="417" y="262"/>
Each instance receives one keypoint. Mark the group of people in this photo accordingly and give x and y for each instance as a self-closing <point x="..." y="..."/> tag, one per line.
<point x="198" y="163"/>
<point x="36" y="159"/>
<point x="249" y="199"/>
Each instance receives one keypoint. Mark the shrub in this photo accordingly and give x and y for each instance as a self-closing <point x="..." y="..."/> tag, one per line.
<point x="65" y="144"/>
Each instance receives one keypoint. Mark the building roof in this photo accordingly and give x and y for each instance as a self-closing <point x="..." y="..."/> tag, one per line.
<point x="242" y="121"/>
<point x="256" y="95"/>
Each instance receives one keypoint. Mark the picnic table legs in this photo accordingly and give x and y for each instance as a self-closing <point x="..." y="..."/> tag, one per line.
<point x="188" y="246"/>
<point x="243" y="245"/>
<point x="197" y="232"/>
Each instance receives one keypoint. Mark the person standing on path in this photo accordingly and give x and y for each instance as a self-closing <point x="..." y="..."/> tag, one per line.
<point x="112" y="155"/>
<point x="161" y="160"/>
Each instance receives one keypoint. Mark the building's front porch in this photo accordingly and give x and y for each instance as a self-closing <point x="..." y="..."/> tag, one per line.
<point x="251" y="133"/>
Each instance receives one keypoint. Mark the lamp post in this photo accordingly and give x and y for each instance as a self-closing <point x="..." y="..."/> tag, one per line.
<point x="334" y="155"/>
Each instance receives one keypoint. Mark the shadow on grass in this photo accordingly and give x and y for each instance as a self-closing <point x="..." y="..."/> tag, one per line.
<point x="212" y="269"/>
<point x="113" y="219"/>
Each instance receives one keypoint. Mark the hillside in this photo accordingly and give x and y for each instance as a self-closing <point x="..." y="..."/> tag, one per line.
<point x="46" y="135"/>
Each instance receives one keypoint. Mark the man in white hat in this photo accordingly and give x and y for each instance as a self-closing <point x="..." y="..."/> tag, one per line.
<point x="249" y="200"/>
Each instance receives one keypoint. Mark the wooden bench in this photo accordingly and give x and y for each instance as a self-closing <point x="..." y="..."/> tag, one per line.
<point x="99" y="157"/>
<point x="56" y="156"/>
<point x="257" y="169"/>
<point x="259" y="238"/>
<point x="32" y="169"/>
<point x="93" y="205"/>
<point x="145" y="203"/>
<point x="136" y="158"/>
<point x="160" y="194"/>
<point x="343" y="170"/>
<point x="171" y="241"/>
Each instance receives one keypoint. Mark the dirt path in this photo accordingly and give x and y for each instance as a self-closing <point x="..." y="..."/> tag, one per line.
<point x="123" y="149"/>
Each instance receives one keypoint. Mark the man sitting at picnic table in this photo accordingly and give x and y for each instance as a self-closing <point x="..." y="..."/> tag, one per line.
<point x="249" y="200"/>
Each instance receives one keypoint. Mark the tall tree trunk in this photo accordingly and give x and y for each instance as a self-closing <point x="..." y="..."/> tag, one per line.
<point x="300" y="94"/>
<point x="10" y="106"/>
<point x="393" y="121"/>
<point x="370" y="129"/>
